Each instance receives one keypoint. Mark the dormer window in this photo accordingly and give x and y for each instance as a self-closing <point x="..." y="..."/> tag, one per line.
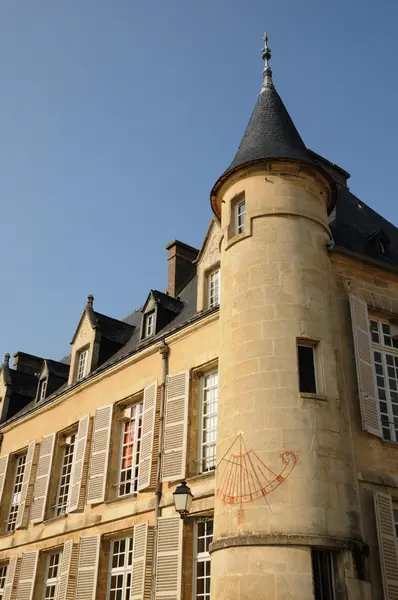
<point x="381" y="247"/>
<point x="82" y="364"/>
<point x="42" y="388"/>
<point x="240" y="210"/>
<point x="214" y="288"/>
<point x="149" y="324"/>
<point x="378" y="242"/>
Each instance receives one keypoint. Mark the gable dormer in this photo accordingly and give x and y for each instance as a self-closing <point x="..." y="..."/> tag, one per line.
<point x="96" y="339"/>
<point x="18" y="385"/>
<point x="378" y="243"/>
<point x="208" y="269"/>
<point x="52" y="376"/>
<point x="158" y="311"/>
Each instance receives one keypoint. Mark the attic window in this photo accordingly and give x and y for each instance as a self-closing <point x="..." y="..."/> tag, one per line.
<point x="381" y="247"/>
<point x="42" y="389"/>
<point x="149" y="324"/>
<point x="82" y="362"/>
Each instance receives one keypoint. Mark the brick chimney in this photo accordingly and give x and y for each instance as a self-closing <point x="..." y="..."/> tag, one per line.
<point x="181" y="266"/>
<point x="27" y="363"/>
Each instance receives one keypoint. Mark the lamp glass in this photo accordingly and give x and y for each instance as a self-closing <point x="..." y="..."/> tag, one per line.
<point x="183" y="499"/>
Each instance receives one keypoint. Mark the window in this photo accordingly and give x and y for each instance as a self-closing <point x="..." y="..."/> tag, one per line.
<point x="208" y="422"/>
<point x="306" y="367"/>
<point x="82" y="362"/>
<point x="214" y="288"/>
<point x="130" y="450"/>
<point x="42" y="389"/>
<point x="51" y="578"/>
<point x="149" y="327"/>
<point x="240" y="210"/>
<point x="62" y="500"/>
<point x="385" y="357"/>
<point x="322" y="568"/>
<point x="202" y="540"/>
<point x="120" y="571"/>
<point x="16" y="492"/>
<point x="3" y="573"/>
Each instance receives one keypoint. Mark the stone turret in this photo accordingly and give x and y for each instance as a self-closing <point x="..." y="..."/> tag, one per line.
<point x="285" y="480"/>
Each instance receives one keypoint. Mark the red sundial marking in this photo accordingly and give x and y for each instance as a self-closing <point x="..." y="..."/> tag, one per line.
<point x="245" y="477"/>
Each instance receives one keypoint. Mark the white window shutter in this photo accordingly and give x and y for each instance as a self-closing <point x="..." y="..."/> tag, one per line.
<point x="99" y="455"/>
<point x="87" y="567"/>
<point x="3" y="473"/>
<point x="11" y="578"/>
<point x="176" y="426"/>
<point x="367" y="388"/>
<point x="27" y="575"/>
<point x="142" y="562"/>
<point x="43" y="473"/>
<point x="169" y="559"/>
<point x="67" y="580"/>
<point x="75" y="500"/>
<point x="388" y="544"/>
<point x="22" y="516"/>
<point x="148" y="432"/>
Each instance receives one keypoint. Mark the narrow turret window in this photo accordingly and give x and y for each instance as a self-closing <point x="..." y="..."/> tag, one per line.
<point x="306" y="367"/>
<point x="240" y="210"/>
<point x="322" y="566"/>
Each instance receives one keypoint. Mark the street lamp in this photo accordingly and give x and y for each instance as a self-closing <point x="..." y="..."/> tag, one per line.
<point x="183" y="501"/>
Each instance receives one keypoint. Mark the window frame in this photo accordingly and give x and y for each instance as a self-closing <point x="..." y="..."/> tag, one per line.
<point x="53" y="581"/>
<point x="319" y="580"/>
<point x="210" y="292"/>
<point x="82" y="352"/>
<point x="239" y="217"/>
<point x="317" y="361"/>
<point x="68" y="475"/>
<point x="3" y="576"/>
<point x="138" y="406"/>
<point x="42" y="388"/>
<point x="127" y="568"/>
<point x="201" y="557"/>
<point x="15" y="505"/>
<point x="201" y="416"/>
<point x="149" y="324"/>
<point x="384" y="349"/>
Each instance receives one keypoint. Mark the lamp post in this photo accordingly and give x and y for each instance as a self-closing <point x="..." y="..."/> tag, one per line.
<point x="183" y="501"/>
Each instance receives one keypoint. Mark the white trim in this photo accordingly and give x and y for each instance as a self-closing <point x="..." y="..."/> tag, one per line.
<point x="213" y="290"/>
<point x="239" y="217"/>
<point x="53" y="581"/>
<point x="82" y="363"/>
<point x="149" y="324"/>
<point x="63" y="465"/>
<point x="127" y="568"/>
<point x="20" y="482"/>
<point x="138" y="406"/>
<point x="201" y="443"/>
<point x="199" y="557"/>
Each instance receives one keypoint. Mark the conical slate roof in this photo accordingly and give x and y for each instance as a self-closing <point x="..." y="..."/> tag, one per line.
<point x="270" y="133"/>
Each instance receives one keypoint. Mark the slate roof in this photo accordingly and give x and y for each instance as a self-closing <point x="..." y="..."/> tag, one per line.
<point x="59" y="369"/>
<point x="113" y="329"/>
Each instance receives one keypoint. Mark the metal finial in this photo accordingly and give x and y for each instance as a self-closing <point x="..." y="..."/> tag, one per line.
<point x="267" y="72"/>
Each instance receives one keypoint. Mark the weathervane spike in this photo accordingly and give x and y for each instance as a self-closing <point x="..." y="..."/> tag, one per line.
<point x="267" y="72"/>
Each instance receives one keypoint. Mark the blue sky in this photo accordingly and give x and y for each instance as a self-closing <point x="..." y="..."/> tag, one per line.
<point x="116" y="118"/>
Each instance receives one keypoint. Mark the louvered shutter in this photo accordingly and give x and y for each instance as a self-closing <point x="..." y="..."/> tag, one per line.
<point x="11" y="578"/>
<point x="99" y="455"/>
<point x="67" y="580"/>
<point x="169" y="558"/>
<point x="388" y="545"/>
<point x="142" y="562"/>
<point x="87" y="567"/>
<point x="3" y="473"/>
<point x="148" y="431"/>
<point x="367" y="388"/>
<point x="27" y="575"/>
<point x="22" y="516"/>
<point x="79" y="458"/>
<point x="43" y="472"/>
<point x="176" y="426"/>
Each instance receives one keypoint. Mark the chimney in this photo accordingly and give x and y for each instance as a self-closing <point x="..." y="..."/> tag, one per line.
<point x="27" y="363"/>
<point x="181" y="266"/>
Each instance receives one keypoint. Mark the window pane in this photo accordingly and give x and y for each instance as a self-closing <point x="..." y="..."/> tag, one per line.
<point x="306" y="369"/>
<point x="204" y="536"/>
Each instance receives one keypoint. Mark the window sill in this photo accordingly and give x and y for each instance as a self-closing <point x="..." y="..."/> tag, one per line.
<point x="201" y="476"/>
<point x="53" y="519"/>
<point x="132" y="496"/>
<point x="309" y="396"/>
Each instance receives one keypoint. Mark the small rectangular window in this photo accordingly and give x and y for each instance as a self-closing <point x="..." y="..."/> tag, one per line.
<point x="149" y="324"/>
<point x="130" y="447"/>
<point x="16" y="492"/>
<point x="240" y="210"/>
<point x="82" y="362"/>
<point x="42" y="389"/>
<point x="52" y="575"/>
<point x="61" y="503"/>
<point x="202" y="574"/>
<point x="3" y="573"/>
<point x="306" y="367"/>
<point x="322" y="568"/>
<point x="120" y="569"/>
<point x="214" y="288"/>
